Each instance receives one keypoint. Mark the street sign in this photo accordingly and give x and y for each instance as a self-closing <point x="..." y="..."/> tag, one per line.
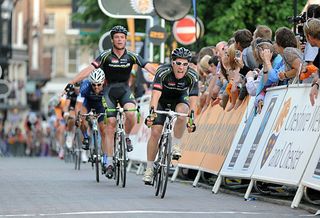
<point x="4" y="88"/>
<point x="184" y="30"/>
<point x="157" y="35"/>
<point x="105" y="42"/>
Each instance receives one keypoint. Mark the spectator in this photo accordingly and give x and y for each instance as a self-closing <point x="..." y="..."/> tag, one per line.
<point x="311" y="30"/>
<point x="272" y="64"/>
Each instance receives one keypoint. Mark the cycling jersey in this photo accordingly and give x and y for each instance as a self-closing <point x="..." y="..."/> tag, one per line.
<point x="117" y="69"/>
<point x="91" y="100"/>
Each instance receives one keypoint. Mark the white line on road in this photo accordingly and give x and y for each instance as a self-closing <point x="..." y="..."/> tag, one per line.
<point x="137" y="212"/>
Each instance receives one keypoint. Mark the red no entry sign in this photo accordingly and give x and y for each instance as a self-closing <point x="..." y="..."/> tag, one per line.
<point x="184" y="30"/>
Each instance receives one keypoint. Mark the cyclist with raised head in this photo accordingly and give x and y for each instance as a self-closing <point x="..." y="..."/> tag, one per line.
<point x="175" y="87"/>
<point x="117" y="65"/>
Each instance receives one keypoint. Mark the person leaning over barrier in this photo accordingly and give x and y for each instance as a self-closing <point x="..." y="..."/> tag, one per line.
<point x="175" y="87"/>
<point x="311" y="30"/>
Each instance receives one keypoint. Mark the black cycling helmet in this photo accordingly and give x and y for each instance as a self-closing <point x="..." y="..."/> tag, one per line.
<point x="118" y="29"/>
<point x="181" y="53"/>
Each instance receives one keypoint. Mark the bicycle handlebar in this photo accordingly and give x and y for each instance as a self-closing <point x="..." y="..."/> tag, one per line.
<point x="121" y="110"/>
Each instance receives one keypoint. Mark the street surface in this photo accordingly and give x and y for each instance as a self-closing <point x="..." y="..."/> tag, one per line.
<point x="49" y="187"/>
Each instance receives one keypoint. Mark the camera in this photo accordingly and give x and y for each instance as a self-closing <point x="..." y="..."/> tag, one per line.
<point x="299" y="20"/>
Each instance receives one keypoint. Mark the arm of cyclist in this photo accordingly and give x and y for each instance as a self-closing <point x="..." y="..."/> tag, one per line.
<point x="156" y="94"/>
<point x="193" y="99"/>
<point x="80" y="76"/>
<point x="150" y="68"/>
<point x="191" y="126"/>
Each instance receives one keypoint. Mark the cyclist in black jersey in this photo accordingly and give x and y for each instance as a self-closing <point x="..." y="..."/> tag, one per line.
<point x="117" y="64"/>
<point x="175" y="86"/>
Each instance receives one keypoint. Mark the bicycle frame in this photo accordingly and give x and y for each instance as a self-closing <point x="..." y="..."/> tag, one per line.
<point x="92" y="117"/>
<point x="120" y="146"/>
<point x="163" y="161"/>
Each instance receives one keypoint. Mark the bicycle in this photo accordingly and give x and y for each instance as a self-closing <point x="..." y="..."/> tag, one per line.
<point x="162" y="164"/>
<point x="94" y="157"/>
<point x="77" y="150"/>
<point x="120" y="146"/>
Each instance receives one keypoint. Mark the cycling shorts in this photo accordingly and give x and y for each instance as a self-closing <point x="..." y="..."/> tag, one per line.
<point x="118" y="93"/>
<point x="169" y="104"/>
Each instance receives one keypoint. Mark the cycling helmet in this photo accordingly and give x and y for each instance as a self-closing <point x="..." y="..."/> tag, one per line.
<point x="32" y="118"/>
<point x="118" y="29"/>
<point x="181" y="53"/>
<point x="97" y="76"/>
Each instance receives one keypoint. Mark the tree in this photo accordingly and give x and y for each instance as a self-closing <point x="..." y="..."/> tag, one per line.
<point x="220" y="20"/>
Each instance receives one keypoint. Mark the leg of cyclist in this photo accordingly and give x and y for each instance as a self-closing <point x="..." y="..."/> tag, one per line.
<point x="152" y="150"/>
<point x="178" y="130"/>
<point x="70" y="119"/>
<point x="127" y="100"/>
<point x="108" y="147"/>
<point x="129" y="124"/>
<point x="84" y="127"/>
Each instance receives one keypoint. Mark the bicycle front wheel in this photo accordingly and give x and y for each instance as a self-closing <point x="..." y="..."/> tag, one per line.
<point x="166" y="165"/>
<point x="77" y="150"/>
<point x="96" y="154"/>
<point x="123" y="161"/>
<point x="162" y="170"/>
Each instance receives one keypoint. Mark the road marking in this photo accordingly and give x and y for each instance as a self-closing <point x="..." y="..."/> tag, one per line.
<point x="139" y="212"/>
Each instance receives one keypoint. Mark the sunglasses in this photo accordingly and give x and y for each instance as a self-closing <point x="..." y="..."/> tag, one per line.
<point x="180" y="63"/>
<point x="94" y="84"/>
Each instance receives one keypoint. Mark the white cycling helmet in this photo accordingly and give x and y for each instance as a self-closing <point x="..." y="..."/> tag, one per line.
<point x="32" y="118"/>
<point x="97" y="76"/>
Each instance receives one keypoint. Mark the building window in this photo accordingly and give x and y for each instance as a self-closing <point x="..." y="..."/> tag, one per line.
<point x="72" y="60"/>
<point x="49" y="21"/>
<point x="69" y="29"/>
<point x="49" y="61"/>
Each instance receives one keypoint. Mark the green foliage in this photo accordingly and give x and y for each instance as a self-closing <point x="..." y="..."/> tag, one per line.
<point x="221" y="18"/>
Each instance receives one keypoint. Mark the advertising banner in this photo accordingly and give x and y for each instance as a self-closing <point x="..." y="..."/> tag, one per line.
<point x="248" y="143"/>
<point x="291" y="140"/>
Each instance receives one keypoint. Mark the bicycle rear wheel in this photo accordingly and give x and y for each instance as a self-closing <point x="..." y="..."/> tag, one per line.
<point x="96" y="154"/>
<point x="123" y="161"/>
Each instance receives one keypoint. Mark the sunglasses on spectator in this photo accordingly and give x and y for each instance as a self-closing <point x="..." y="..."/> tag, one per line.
<point x="180" y="63"/>
<point x="96" y="84"/>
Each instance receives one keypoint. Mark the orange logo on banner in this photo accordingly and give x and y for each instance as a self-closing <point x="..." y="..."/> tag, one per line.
<point x="209" y="145"/>
<point x="273" y="138"/>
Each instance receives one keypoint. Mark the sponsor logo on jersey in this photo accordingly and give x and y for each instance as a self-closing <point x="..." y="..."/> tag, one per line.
<point x="114" y="60"/>
<point x="171" y="83"/>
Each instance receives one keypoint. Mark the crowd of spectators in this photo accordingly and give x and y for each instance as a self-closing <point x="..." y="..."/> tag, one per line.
<point x="249" y="63"/>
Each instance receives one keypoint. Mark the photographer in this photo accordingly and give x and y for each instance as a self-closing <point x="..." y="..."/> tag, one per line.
<point x="311" y="54"/>
<point x="311" y="30"/>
